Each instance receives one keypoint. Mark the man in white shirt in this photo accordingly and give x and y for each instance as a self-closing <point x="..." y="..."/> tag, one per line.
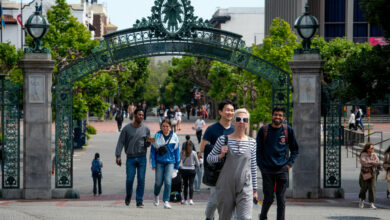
<point x="199" y="123"/>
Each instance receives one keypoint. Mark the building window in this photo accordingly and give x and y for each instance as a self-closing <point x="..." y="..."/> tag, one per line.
<point x="362" y="30"/>
<point x="334" y="19"/>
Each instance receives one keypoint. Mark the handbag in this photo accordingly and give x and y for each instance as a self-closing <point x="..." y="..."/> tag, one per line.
<point x="163" y="149"/>
<point x="366" y="176"/>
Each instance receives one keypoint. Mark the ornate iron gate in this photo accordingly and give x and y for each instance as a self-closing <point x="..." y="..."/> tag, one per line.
<point x="171" y="30"/>
<point x="10" y="129"/>
<point x="332" y="137"/>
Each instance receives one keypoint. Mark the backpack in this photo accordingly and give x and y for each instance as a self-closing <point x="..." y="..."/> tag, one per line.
<point x="265" y="132"/>
<point x="95" y="168"/>
<point x="285" y="131"/>
<point x="212" y="171"/>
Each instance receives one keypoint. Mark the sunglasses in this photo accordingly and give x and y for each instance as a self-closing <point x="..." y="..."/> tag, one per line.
<point x="239" y="119"/>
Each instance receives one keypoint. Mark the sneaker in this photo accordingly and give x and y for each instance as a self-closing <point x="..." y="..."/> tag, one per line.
<point x="361" y="204"/>
<point x="186" y="202"/>
<point x="156" y="202"/>
<point x="183" y="202"/>
<point x="191" y="202"/>
<point x="140" y="205"/>
<point x="127" y="200"/>
<point x="167" y="205"/>
<point x="372" y="206"/>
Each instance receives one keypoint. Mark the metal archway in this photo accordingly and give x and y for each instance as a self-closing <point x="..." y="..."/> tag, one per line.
<point x="173" y="30"/>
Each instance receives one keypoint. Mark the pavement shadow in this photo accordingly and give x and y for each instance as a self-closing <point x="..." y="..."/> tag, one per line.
<point x="353" y="217"/>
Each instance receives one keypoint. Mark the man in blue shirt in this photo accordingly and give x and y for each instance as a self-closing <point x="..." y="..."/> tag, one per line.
<point x="223" y="127"/>
<point x="273" y="141"/>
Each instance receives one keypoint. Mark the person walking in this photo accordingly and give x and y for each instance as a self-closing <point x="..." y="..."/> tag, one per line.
<point x="165" y="157"/>
<point x="188" y="110"/>
<point x="119" y="119"/>
<point x="359" y="118"/>
<point x="223" y="127"/>
<point x="183" y="147"/>
<point x="351" y="121"/>
<point x="273" y="141"/>
<point x="135" y="138"/>
<point x="386" y="167"/>
<point x="199" y="123"/>
<point x="145" y="108"/>
<point x="178" y="117"/>
<point x="130" y="110"/>
<point x="367" y="177"/>
<point x="96" y="169"/>
<point x="236" y="187"/>
<point x="189" y="161"/>
<point x="161" y="112"/>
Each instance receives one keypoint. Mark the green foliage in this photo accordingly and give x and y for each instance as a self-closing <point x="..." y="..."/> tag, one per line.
<point x="158" y="75"/>
<point x="366" y="75"/>
<point x="278" y="47"/>
<point x="91" y="130"/>
<point x="9" y="62"/>
<point x="88" y="136"/>
<point x="65" y="33"/>
<point x="377" y="13"/>
<point x="334" y="53"/>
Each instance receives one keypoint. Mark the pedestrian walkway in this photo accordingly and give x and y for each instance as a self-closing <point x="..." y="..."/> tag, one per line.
<point x="110" y="205"/>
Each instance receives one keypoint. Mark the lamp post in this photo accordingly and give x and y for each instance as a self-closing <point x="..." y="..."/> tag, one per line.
<point x="306" y="26"/>
<point x="37" y="27"/>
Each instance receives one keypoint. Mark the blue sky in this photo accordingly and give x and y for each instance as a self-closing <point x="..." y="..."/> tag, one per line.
<point x="124" y="13"/>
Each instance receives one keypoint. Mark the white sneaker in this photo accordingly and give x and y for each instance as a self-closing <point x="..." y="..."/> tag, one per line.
<point x="156" y="202"/>
<point x="166" y="205"/>
<point x="186" y="202"/>
<point x="361" y="204"/>
<point x="191" y="202"/>
<point x="372" y="206"/>
<point x="183" y="202"/>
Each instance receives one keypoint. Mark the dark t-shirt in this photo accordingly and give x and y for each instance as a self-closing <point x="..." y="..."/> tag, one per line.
<point x="214" y="131"/>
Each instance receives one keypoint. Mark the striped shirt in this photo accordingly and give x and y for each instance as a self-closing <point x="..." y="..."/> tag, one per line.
<point x="239" y="148"/>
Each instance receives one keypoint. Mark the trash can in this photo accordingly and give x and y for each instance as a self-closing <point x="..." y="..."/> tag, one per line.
<point x="79" y="133"/>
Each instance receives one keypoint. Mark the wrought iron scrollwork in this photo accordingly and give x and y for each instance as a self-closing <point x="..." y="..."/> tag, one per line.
<point x="10" y="129"/>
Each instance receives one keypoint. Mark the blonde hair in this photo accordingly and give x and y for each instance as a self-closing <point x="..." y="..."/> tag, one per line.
<point x="241" y="110"/>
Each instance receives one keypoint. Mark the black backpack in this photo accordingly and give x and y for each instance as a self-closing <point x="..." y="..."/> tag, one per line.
<point x="212" y="171"/>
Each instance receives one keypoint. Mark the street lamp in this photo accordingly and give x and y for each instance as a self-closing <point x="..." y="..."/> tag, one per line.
<point x="306" y="26"/>
<point x="37" y="27"/>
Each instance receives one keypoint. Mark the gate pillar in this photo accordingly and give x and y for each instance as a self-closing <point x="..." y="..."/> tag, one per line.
<point x="307" y="69"/>
<point x="37" y="76"/>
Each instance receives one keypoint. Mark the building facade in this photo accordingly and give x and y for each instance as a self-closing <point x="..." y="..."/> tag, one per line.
<point x="338" y="18"/>
<point x="91" y="14"/>
<point x="248" y="22"/>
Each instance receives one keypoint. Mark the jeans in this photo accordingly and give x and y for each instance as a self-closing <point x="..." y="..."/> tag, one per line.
<point x="198" y="177"/>
<point x="270" y="178"/>
<point x="211" y="204"/>
<point x="97" y="180"/>
<point x="163" y="174"/>
<point x="132" y="164"/>
<point x="199" y="135"/>
<point x="188" y="182"/>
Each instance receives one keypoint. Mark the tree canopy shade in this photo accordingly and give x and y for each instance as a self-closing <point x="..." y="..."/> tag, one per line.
<point x="366" y="75"/>
<point x="377" y="12"/>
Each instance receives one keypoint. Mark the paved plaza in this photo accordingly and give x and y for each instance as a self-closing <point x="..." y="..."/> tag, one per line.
<point x="110" y="205"/>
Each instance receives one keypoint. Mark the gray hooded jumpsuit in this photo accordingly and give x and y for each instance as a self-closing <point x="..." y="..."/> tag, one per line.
<point x="234" y="186"/>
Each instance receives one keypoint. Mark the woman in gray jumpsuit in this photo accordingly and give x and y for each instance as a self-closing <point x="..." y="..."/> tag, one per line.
<point x="237" y="183"/>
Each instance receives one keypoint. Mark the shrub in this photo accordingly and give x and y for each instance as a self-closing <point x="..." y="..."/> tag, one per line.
<point x="88" y="136"/>
<point x="91" y="129"/>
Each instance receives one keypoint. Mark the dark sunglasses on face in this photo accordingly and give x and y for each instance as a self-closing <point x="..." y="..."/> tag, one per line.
<point x="245" y="120"/>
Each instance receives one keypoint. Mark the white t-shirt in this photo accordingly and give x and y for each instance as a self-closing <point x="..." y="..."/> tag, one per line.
<point x="199" y="124"/>
<point x="178" y="116"/>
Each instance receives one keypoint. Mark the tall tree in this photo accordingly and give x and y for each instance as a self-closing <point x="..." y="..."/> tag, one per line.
<point x="366" y="75"/>
<point x="9" y="60"/>
<point x="377" y="12"/>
